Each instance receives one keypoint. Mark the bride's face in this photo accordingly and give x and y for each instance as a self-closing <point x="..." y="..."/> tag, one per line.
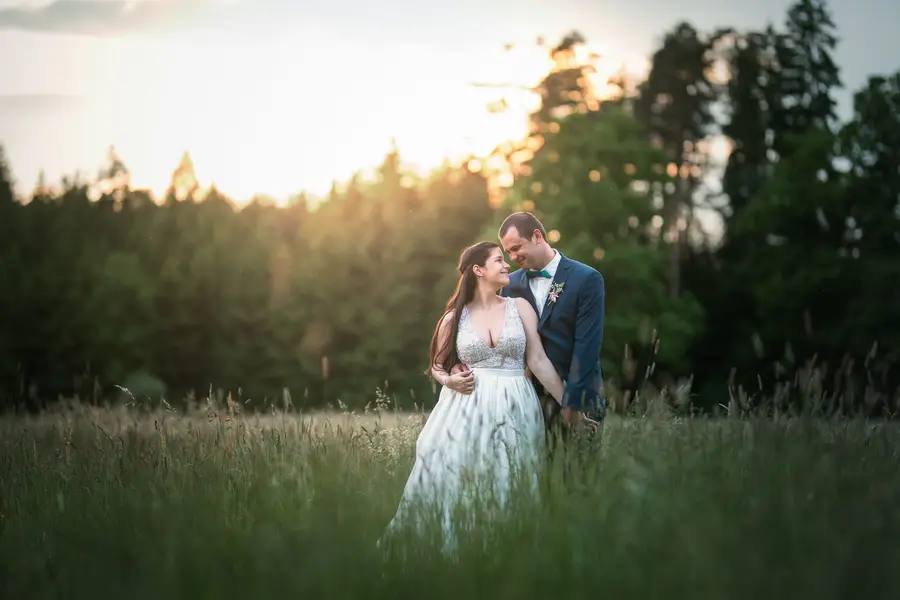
<point x="495" y="270"/>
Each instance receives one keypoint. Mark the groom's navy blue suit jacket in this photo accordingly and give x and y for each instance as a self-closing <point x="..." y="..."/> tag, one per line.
<point x="571" y="330"/>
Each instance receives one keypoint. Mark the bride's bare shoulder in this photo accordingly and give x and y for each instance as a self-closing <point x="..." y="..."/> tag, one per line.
<point x="446" y="319"/>
<point x="524" y="308"/>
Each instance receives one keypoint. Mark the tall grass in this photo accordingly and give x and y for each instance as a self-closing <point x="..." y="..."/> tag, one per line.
<point x="129" y="504"/>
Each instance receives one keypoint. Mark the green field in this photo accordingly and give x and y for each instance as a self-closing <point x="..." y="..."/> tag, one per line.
<point x="127" y="504"/>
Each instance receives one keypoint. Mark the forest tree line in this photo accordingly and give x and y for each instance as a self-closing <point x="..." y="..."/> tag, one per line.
<point x="106" y="287"/>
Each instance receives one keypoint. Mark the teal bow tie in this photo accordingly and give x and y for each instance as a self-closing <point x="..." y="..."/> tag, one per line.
<point x="531" y="274"/>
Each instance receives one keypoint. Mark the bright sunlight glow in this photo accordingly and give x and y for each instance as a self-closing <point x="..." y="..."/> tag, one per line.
<point x="297" y="112"/>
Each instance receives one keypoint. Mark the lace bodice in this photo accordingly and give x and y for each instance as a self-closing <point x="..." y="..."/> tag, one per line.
<point x="509" y="354"/>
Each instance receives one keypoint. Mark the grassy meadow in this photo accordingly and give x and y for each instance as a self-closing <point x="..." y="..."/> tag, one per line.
<point x="138" y="504"/>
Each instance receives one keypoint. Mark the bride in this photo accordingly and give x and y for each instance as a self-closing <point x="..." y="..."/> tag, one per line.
<point x="479" y="440"/>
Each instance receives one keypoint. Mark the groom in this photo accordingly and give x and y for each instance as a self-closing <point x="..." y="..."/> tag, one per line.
<point x="569" y="298"/>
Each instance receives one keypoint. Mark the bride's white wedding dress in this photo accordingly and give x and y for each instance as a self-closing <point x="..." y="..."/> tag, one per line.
<point x="475" y="449"/>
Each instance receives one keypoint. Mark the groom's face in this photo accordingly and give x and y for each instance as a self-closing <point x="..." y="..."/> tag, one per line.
<point x="521" y="250"/>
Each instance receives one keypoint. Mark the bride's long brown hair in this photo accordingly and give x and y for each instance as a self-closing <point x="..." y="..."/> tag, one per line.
<point x="446" y="356"/>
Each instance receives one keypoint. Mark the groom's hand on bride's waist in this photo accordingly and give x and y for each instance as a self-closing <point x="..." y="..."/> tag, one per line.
<point x="461" y="379"/>
<point x="458" y="368"/>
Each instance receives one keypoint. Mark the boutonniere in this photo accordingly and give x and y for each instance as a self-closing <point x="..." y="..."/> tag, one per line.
<point x="555" y="290"/>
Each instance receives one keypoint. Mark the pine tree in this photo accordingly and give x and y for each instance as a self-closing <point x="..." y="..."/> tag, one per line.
<point x="7" y="191"/>
<point x="674" y="104"/>
<point x="808" y="75"/>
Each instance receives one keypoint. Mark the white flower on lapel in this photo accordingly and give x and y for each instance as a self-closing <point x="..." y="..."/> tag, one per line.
<point x="555" y="290"/>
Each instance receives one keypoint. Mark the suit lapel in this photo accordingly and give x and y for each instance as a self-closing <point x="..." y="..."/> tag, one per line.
<point x="562" y="274"/>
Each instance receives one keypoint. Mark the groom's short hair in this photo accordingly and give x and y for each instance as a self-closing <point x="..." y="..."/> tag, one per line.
<point x="524" y="222"/>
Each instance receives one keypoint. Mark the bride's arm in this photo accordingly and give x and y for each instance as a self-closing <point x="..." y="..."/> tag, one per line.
<point x="460" y="382"/>
<point x="535" y="356"/>
<point x="440" y="375"/>
<point x="437" y="372"/>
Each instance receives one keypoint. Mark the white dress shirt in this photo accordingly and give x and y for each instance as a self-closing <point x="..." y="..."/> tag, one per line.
<point x="540" y="286"/>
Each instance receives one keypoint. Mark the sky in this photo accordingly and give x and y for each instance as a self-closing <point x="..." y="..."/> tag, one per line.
<point x="276" y="96"/>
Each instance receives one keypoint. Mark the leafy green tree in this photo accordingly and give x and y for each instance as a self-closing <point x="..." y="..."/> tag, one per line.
<point x="593" y="183"/>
